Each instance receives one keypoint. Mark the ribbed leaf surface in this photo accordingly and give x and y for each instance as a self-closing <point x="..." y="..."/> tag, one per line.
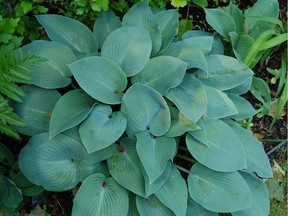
<point x="174" y="193"/>
<point x="256" y="158"/>
<point x="104" y="25"/>
<point x="222" y="140"/>
<point x="189" y="97"/>
<point x="53" y="73"/>
<point x="162" y="73"/>
<point x="141" y="16"/>
<point x="194" y="208"/>
<point x="244" y="108"/>
<point x="129" y="47"/>
<point x="154" y="153"/>
<point x="217" y="191"/>
<point x="145" y="109"/>
<point x="70" y="110"/>
<point x="102" y="128"/>
<point x="124" y="166"/>
<point x="36" y="109"/>
<point x="69" y="32"/>
<point x="101" y="78"/>
<point x="99" y="195"/>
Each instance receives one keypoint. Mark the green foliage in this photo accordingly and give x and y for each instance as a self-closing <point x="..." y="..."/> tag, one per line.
<point x="13" y="71"/>
<point x="140" y="97"/>
<point x="14" y="186"/>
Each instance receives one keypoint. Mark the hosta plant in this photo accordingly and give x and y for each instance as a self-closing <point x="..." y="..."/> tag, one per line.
<point x="146" y="122"/>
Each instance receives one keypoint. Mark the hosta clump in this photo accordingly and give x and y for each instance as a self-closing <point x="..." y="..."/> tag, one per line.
<point x="139" y="96"/>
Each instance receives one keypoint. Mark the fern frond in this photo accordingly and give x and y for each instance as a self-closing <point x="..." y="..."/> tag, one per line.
<point x="9" y="131"/>
<point x="11" y="90"/>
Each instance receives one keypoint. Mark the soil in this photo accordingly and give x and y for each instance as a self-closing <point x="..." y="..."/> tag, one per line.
<point x="60" y="204"/>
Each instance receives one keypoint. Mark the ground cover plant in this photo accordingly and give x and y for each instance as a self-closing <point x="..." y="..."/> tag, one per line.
<point x="121" y="104"/>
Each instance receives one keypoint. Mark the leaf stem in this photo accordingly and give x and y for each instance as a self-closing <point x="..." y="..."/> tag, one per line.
<point x="186" y="158"/>
<point x="182" y="169"/>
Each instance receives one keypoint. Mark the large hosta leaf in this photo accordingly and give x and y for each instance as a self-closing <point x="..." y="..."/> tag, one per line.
<point x="194" y="208"/>
<point x="225" y="72"/>
<point x="36" y="109"/>
<point x="53" y="73"/>
<point x="174" y="193"/>
<point x="141" y="16"/>
<point x="217" y="46"/>
<point x="168" y="24"/>
<point x="129" y="47"/>
<point x="221" y="141"/>
<point x="124" y="166"/>
<point x="154" y="153"/>
<point x="152" y="206"/>
<point x="179" y="123"/>
<point x="244" y="108"/>
<point x="151" y="188"/>
<point x="104" y="25"/>
<point x="260" y="197"/>
<point x="99" y="195"/>
<point x="101" y="78"/>
<point x="70" y="32"/>
<point x="257" y="160"/>
<point x="71" y="109"/>
<point x="217" y="191"/>
<point x="219" y="104"/>
<point x="52" y="163"/>
<point x="145" y="109"/>
<point x="221" y="21"/>
<point x="13" y="193"/>
<point x="102" y="128"/>
<point x="162" y="73"/>
<point x="189" y="97"/>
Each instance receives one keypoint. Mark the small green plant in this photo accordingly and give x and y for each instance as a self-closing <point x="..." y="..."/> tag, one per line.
<point x="122" y="108"/>
<point x="14" y="186"/>
<point x="13" y="71"/>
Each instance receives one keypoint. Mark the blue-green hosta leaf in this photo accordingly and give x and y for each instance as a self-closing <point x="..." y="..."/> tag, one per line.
<point x="265" y="8"/>
<point x="261" y="91"/>
<point x="257" y="160"/>
<point x="217" y="46"/>
<point x="53" y="73"/>
<point x="90" y="167"/>
<point x="194" y="57"/>
<point x="14" y="194"/>
<point x="101" y="78"/>
<point x="200" y="135"/>
<point x="145" y="108"/>
<point x="219" y="104"/>
<point x="99" y="195"/>
<point x="224" y="72"/>
<point x="53" y="163"/>
<point x="124" y="166"/>
<point x="141" y="16"/>
<point x="194" y="208"/>
<point x="260" y="197"/>
<point x="169" y="25"/>
<point x="222" y="140"/>
<point x="162" y="73"/>
<point x="221" y="21"/>
<point x="242" y="88"/>
<point x="179" y="123"/>
<point x="245" y="109"/>
<point x="104" y="25"/>
<point x="174" y="193"/>
<point x="70" y="110"/>
<point x="69" y="32"/>
<point x="237" y="16"/>
<point x="36" y="109"/>
<point x="241" y="44"/>
<point x="189" y="97"/>
<point x="154" y="153"/>
<point x="129" y="47"/>
<point x="102" y="128"/>
<point x="218" y="191"/>
<point x="152" y="206"/>
<point x="151" y="188"/>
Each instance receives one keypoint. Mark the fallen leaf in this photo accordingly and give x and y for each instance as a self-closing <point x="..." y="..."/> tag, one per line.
<point x="258" y="136"/>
